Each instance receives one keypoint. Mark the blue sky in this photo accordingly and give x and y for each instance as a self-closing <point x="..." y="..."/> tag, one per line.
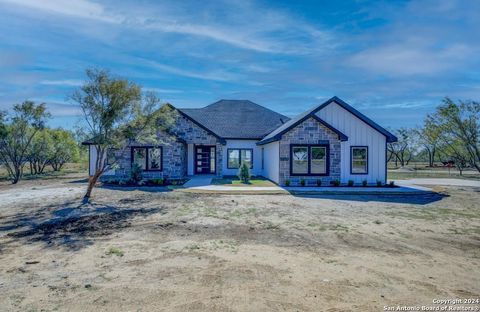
<point x="392" y="60"/>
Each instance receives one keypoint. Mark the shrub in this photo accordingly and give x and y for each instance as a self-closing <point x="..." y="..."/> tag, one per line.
<point x="136" y="174"/>
<point x="244" y="172"/>
<point x="287" y="182"/>
<point x="302" y="182"/>
<point x="319" y="182"/>
<point x="364" y="182"/>
<point x="391" y="184"/>
<point x="115" y="251"/>
<point x="157" y="181"/>
<point x="336" y="182"/>
<point x="350" y="183"/>
<point x="379" y="183"/>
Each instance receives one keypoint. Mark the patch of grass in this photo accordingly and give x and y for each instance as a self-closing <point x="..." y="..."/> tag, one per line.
<point x="193" y="247"/>
<point x="271" y="226"/>
<point x="232" y="181"/>
<point x="339" y="228"/>
<point x="115" y="251"/>
<point x="433" y="214"/>
<point x="465" y="231"/>
<point x="316" y="226"/>
<point x="429" y="174"/>
<point x="210" y="212"/>
<point x="229" y="245"/>
<point x="237" y="213"/>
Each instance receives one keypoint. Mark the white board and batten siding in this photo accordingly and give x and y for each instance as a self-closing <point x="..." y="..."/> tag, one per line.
<point x="359" y="134"/>
<point x="92" y="154"/>
<point x="272" y="161"/>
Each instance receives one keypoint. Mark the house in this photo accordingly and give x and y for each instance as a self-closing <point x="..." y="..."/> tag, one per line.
<point x="332" y="141"/>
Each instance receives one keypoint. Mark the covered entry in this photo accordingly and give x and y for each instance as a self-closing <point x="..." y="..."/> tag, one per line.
<point x="205" y="159"/>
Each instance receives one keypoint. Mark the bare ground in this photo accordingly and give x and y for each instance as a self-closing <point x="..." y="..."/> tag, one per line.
<point x="146" y="250"/>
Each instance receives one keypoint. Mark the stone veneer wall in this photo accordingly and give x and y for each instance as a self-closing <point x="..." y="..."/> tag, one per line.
<point x="188" y="131"/>
<point x="174" y="155"/>
<point x="309" y="132"/>
<point x="174" y="148"/>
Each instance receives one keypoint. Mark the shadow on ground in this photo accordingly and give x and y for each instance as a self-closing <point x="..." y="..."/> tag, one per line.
<point x="72" y="227"/>
<point x="414" y="199"/>
<point x="153" y="189"/>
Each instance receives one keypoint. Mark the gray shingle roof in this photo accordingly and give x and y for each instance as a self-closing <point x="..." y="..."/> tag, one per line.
<point x="240" y="119"/>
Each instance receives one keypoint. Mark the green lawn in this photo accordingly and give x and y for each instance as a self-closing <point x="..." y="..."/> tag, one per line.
<point x="234" y="181"/>
<point x="429" y="174"/>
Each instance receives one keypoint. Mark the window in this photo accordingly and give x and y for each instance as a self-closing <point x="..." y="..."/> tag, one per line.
<point x="359" y="160"/>
<point x="309" y="159"/>
<point x="149" y="158"/>
<point x="300" y="160"/>
<point x="236" y="156"/>
<point x="318" y="160"/>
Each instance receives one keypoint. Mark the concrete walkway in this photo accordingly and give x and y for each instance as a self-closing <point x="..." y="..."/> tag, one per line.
<point x="199" y="181"/>
<point x="438" y="181"/>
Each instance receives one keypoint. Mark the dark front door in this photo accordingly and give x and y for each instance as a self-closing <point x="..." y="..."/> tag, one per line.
<point x="204" y="159"/>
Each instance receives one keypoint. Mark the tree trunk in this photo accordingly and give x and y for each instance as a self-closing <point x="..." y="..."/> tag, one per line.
<point x="434" y="152"/>
<point x="91" y="184"/>
<point x="16" y="175"/>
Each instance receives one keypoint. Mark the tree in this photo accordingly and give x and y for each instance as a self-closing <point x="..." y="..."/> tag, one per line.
<point x="16" y="134"/>
<point x="459" y="123"/>
<point x="64" y="148"/>
<point x="39" y="151"/>
<point x="403" y="150"/>
<point x="116" y="114"/>
<point x="244" y="172"/>
<point x="428" y="137"/>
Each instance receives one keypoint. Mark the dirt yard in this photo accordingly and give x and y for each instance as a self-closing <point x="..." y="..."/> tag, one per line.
<point x="170" y="251"/>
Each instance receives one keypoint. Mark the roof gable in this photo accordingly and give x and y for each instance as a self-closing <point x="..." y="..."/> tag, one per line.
<point x="276" y="134"/>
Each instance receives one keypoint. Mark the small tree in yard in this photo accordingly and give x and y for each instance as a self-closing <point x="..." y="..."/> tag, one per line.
<point x="16" y="134"/>
<point x="39" y="151"/>
<point x="115" y="116"/>
<point x="244" y="173"/>
<point x="64" y="149"/>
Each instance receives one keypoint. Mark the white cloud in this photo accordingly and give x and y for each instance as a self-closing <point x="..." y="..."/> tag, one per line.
<point x="158" y="90"/>
<point x="409" y="59"/>
<point x="65" y="82"/>
<point x="76" y="8"/>
<point x="272" y="32"/>
<point x="215" y="75"/>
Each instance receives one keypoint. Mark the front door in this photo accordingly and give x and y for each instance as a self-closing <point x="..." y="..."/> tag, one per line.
<point x="204" y="159"/>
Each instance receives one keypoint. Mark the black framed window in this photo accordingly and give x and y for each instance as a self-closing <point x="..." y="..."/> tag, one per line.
<point x="309" y="159"/>
<point x="318" y="160"/>
<point x="359" y="160"/>
<point x="236" y="156"/>
<point x="149" y="158"/>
